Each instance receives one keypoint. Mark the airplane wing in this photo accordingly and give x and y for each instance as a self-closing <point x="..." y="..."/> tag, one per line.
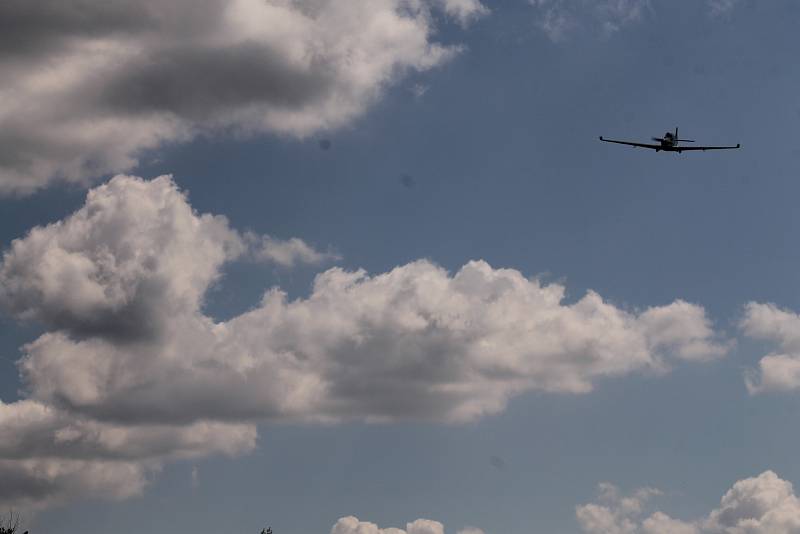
<point x="642" y="145"/>
<point x="704" y="148"/>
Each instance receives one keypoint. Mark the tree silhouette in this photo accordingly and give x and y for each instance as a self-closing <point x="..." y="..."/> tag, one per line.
<point x="10" y="524"/>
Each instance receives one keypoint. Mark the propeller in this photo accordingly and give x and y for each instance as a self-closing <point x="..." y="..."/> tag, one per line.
<point x="686" y="140"/>
<point x="657" y="138"/>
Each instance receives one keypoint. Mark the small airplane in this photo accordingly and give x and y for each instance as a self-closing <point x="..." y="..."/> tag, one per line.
<point x="669" y="143"/>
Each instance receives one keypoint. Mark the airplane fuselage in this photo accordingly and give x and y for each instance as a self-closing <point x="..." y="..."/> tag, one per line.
<point x="668" y="141"/>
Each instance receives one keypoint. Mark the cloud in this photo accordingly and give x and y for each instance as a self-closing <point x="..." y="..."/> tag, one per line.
<point x="286" y="253"/>
<point x="89" y="86"/>
<point x="132" y="371"/>
<point x="132" y="257"/>
<point x="35" y="483"/>
<point x="465" y="11"/>
<point x="560" y="18"/>
<point x="557" y="18"/>
<point x="778" y="371"/>
<point x="49" y="456"/>
<point x="764" y="504"/>
<point x="352" y="525"/>
<point x="614" y="514"/>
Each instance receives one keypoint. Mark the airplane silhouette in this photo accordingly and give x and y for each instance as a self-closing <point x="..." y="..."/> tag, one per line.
<point x="669" y="143"/>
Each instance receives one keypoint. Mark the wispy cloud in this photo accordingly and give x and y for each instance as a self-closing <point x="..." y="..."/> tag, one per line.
<point x="558" y="19"/>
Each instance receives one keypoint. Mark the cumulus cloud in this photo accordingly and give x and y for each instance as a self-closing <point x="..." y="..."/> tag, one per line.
<point x="615" y="513"/>
<point x="131" y="370"/>
<point x="352" y="525"/>
<point x="765" y="504"/>
<point x="778" y="371"/>
<point x="133" y="256"/>
<point x="90" y="85"/>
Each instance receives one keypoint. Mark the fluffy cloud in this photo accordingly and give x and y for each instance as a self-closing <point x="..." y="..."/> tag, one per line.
<point x="121" y="283"/>
<point x="132" y="257"/>
<point x="90" y="85"/>
<point x="132" y="371"/>
<point x="778" y="371"/>
<point x="764" y="504"/>
<point x="351" y="525"/>
<point x="614" y="514"/>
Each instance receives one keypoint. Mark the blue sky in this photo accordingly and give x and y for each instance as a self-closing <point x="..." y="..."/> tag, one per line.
<point x="487" y="151"/>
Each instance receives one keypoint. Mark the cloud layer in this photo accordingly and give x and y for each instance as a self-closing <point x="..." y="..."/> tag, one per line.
<point x="765" y="504"/>
<point x="90" y="85"/>
<point x="132" y="371"/>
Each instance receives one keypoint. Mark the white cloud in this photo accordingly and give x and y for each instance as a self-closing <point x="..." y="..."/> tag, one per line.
<point x="777" y="371"/>
<point x="352" y="525"/>
<point x="614" y="514"/>
<point x="286" y="253"/>
<point x="465" y="11"/>
<point x="131" y="257"/>
<point x="661" y="523"/>
<point x="764" y="504"/>
<point x="89" y="86"/>
<point x="132" y="370"/>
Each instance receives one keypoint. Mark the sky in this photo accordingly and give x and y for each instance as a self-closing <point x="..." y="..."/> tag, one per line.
<point x="364" y="267"/>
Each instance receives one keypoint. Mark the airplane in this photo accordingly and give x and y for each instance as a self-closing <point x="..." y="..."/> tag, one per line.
<point x="669" y="143"/>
